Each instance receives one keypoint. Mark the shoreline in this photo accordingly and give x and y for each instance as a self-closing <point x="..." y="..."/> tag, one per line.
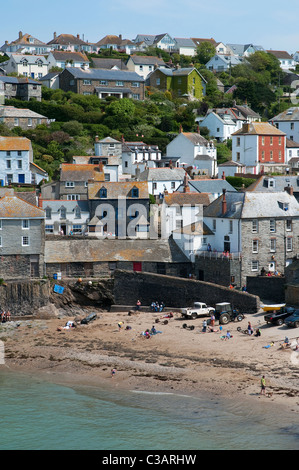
<point x="176" y="360"/>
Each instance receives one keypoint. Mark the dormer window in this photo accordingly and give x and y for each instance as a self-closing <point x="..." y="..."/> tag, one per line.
<point x="135" y="192"/>
<point x="103" y="193"/>
<point x="63" y="212"/>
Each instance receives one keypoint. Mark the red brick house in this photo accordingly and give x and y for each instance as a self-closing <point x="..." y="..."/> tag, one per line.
<point x="259" y="146"/>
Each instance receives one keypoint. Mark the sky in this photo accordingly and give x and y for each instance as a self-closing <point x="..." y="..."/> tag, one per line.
<point x="260" y="22"/>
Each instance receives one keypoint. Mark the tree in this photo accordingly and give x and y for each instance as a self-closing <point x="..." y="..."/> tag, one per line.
<point x="205" y="52"/>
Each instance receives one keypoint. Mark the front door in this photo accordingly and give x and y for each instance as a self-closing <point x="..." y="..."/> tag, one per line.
<point x="21" y="178"/>
<point x="137" y="266"/>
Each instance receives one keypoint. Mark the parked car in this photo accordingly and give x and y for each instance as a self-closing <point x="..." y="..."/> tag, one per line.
<point x="199" y="309"/>
<point x="278" y="317"/>
<point x="293" y="320"/>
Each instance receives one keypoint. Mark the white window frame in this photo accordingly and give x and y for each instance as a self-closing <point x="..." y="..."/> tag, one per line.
<point x="289" y="244"/>
<point x="69" y="184"/>
<point x="254" y="226"/>
<point x="254" y="265"/>
<point x="255" y="246"/>
<point x="25" y="224"/>
<point x="25" y="241"/>
<point x="272" y="245"/>
<point x="272" y="223"/>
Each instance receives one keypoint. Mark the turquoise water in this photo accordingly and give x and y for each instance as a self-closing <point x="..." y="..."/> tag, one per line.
<point x="37" y="415"/>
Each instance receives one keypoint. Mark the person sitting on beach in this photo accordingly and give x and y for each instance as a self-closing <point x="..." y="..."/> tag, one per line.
<point x="228" y="335"/>
<point x="257" y="332"/>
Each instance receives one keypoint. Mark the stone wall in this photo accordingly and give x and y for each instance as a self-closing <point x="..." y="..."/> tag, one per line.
<point x="176" y="292"/>
<point x="269" y="289"/>
<point x="24" y="297"/>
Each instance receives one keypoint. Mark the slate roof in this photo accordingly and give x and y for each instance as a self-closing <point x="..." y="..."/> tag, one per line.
<point x="209" y="186"/>
<point x="17" y="80"/>
<point x="281" y="182"/>
<point x="290" y="114"/>
<point x="196" y="228"/>
<point x="198" y="41"/>
<point x="11" y="111"/>
<point x="31" y="59"/>
<point x="70" y="206"/>
<point x="104" y="74"/>
<point x="15" y="207"/>
<point x="146" y="60"/>
<point x="108" y="64"/>
<point x="195" y="138"/>
<point x="68" y="251"/>
<point x="163" y="174"/>
<point x="80" y="172"/>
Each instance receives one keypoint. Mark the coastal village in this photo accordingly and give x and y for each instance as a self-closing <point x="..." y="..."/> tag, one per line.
<point x="213" y="208"/>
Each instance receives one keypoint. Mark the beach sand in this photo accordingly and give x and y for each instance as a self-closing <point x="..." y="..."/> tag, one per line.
<point x="175" y="360"/>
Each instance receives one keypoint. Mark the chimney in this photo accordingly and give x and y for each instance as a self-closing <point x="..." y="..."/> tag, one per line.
<point x="137" y="173"/>
<point x="170" y="164"/>
<point x="223" y="175"/>
<point x="120" y="37"/>
<point x="20" y="34"/>
<point x="246" y="127"/>
<point x="40" y="201"/>
<point x="54" y="35"/>
<point x="224" y="204"/>
<point x="96" y="138"/>
<point x="290" y="190"/>
<point x="181" y="128"/>
<point x="78" y="36"/>
<point x="186" y="185"/>
<point x="101" y="167"/>
<point x="198" y="130"/>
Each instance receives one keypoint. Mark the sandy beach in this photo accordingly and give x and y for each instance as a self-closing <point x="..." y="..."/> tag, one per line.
<point x="175" y="359"/>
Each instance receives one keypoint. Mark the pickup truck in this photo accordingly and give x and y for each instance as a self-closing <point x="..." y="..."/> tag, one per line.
<point x="199" y="309"/>
<point x="278" y="318"/>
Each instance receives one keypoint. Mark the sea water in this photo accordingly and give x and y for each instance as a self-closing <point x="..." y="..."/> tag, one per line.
<point x="40" y="415"/>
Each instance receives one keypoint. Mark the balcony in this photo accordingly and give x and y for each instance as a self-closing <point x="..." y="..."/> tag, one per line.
<point x="219" y="255"/>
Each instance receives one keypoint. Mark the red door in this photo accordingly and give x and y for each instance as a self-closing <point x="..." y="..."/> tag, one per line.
<point x="137" y="266"/>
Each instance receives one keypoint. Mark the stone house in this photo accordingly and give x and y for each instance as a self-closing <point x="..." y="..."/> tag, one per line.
<point x="22" y="239"/>
<point x="21" y="117"/>
<point x="107" y="147"/>
<point x="21" y="88"/>
<point x="63" y="59"/>
<point x="94" y="257"/>
<point x="73" y="182"/>
<point x="65" y="217"/>
<point x="251" y="231"/>
<point x="103" y="83"/>
<point x="181" y="82"/>
<point x="162" y="181"/>
<point x="259" y="146"/>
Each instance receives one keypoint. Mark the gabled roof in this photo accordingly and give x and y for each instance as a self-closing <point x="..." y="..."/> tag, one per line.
<point x="31" y="59"/>
<point x="67" y="55"/>
<point x="27" y="39"/>
<point x="146" y="60"/>
<point x="198" y="41"/>
<point x="15" y="207"/>
<point x="109" y="39"/>
<point x="212" y="186"/>
<point x="182" y="71"/>
<point x="108" y="64"/>
<point x="14" y="143"/>
<point x="195" y="138"/>
<point x="80" y="172"/>
<point x="182" y="198"/>
<point x="259" y="128"/>
<point x="195" y="228"/>
<point x="280" y="182"/>
<point x="56" y="204"/>
<point x="162" y="174"/>
<point x="11" y="111"/>
<point x="184" y="42"/>
<point x="67" y="39"/>
<point x="290" y="114"/>
<point x="18" y="80"/>
<point x="281" y="54"/>
<point x="118" y="189"/>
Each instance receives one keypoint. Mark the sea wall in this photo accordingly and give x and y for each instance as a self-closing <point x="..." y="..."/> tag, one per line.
<point x="177" y="292"/>
<point x="24" y="297"/>
<point x="270" y="289"/>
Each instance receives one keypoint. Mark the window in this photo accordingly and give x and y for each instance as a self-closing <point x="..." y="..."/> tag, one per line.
<point x="254" y="265"/>
<point x="86" y="82"/>
<point x="272" y="225"/>
<point x="135" y="96"/>
<point x="238" y="156"/>
<point x="0" y="224"/>
<point x="154" y="185"/>
<point x="292" y="126"/>
<point x="48" y="213"/>
<point x="77" y="213"/>
<point x="119" y="83"/>
<point x="254" y="226"/>
<point x="25" y="241"/>
<point x="214" y="225"/>
<point x="63" y="213"/>
<point x="238" y="141"/>
<point x="135" y="84"/>
<point x="103" y="82"/>
<point x="25" y="223"/>
<point x="288" y="225"/>
<point x="49" y="228"/>
<point x="158" y="81"/>
<point x="273" y="245"/>
<point x="263" y="140"/>
<point x="230" y="226"/>
<point x="29" y="122"/>
<point x="69" y="184"/>
<point x="279" y="140"/>
<point x="77" y="228"/>
<point x="140" y="68"/>
<point x="103" y="193"/>
<point x="0" y="240"/>
<point x="271" y="140"/>
<point x="255" y="246"/>
<point x="107" y="176"/>
<point x="172" y="185"/>
<point x="279" y="155"/>
<point x="263" y="155"/>
<point x="289" y="243"/>
<point x="16" y="121"/>
<point x="135" y="192"/>
<point x="8" y="164"/>
<point x="73" y="197"/>
<point x="271" y="154"/>
<point x="19" y="153"/>
<point x="19" y="164"/>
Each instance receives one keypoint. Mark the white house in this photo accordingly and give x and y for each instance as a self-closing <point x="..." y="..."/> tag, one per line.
<point x="222" y="62"/>
<point x="26" y="44"/>
<point x="143" y="65"/>
<point x="16" y="158"/>
<point x="63" y="59"/>
<point x="230" y="168"/>
<point x="31" y="66"/>
<point x="162" y="180"/>
<point x="185" y="46"/>
<point x="193" y="150"/>
<point x="221" y="126"/>
<point x="138" y="155"/>
<point x="288" y="122"/>
<point x="287" y="62"/>
<point x="69" y="217"/>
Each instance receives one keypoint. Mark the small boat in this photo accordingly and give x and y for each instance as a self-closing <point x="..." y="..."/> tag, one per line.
<point x="271" y="307"/>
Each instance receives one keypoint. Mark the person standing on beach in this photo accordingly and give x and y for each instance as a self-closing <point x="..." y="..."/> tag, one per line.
<point x="263" y="386"/>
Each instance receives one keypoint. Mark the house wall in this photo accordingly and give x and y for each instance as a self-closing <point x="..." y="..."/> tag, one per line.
<point x="278" y="145"/>
<point x="291" y="128"/>
<point x="23" y="122"/>
<point x="14" y="171"/>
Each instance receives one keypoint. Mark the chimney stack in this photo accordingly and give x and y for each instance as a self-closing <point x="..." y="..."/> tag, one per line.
<point x="246" y="127"/>
<point x="186" y="185"/>
<point x="101" y="167"/>
<point x="54" y="35"/>
<point x="290" y="190"/>
<point x="223" y="175"/>
<point x="20" y="34"/>
<point x="170" y="164"/>
<point x="224" y="203"/>
<point x="96" y="138"/>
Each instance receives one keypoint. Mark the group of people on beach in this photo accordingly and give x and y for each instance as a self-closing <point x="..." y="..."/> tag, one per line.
<point x="157" y="306"/>
<point x="5" y="316"/>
